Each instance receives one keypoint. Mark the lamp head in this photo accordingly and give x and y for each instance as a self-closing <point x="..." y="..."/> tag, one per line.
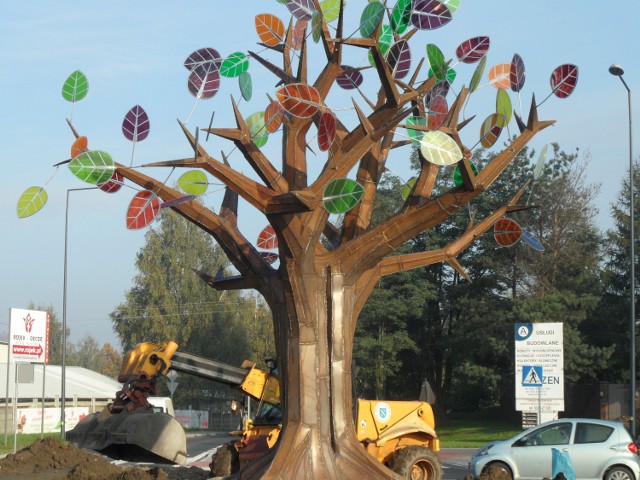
<point x="616" y="70"/>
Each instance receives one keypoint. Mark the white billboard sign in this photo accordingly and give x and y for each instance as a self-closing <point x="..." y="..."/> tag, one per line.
<point x="539" y="367"/>
<point x="28" y="336"/>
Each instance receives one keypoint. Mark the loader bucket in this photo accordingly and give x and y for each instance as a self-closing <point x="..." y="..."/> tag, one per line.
<point x="140" y="435"/>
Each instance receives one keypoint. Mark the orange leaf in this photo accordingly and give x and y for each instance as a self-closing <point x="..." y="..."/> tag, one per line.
<point x="500" y="76"/>
<point x="270" y="29"/>
<point x="273" y="116"/>
<point x="299" y="99"/>
<point x="79" y="146"/>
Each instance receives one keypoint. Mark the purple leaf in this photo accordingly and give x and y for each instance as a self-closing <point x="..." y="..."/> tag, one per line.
<point x="472" y="50"/>
<point x="136" y="124"/>
<point x="206" y="57"/>
<point x="301" y="9"/>
<point x="350" y="78"/>
<point x="517" y="74"/>
<point x="440" y="89"/>
<point x="399" y="59"/>
<point x="430" y="14"/>
<point x="203" y="83"/>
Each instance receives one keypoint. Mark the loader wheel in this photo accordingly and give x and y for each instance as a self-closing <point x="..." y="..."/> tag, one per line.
<point x="417" y="463"/>
<point x="225" y="461"/>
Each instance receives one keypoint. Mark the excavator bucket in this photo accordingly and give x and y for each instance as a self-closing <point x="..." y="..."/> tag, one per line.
<point x="139" y="435"/>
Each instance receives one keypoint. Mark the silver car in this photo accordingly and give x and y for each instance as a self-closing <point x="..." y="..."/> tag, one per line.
<point x="599" y="450"/>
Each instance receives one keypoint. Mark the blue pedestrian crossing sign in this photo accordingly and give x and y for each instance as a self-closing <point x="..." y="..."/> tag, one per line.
<point x="531" y="376"/>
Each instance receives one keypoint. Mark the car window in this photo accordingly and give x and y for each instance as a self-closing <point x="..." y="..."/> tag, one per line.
<point x="592" y="433"/>
<point x="556" y="434"/>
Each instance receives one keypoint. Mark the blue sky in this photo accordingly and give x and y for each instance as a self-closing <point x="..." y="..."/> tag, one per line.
<point x="132" y="53"/>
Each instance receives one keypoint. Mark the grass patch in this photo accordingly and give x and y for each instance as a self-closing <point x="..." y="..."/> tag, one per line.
<point x="474" y="432"/>
<point x="23" y="440"/>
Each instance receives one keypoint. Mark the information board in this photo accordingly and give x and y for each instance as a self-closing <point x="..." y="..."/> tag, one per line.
<point x="28" y="336"/>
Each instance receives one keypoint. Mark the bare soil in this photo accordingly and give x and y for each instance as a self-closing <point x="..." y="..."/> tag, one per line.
<point x="49" y="459"/>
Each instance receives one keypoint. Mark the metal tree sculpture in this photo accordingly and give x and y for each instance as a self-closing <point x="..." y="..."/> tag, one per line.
<point x="319" y="287"/>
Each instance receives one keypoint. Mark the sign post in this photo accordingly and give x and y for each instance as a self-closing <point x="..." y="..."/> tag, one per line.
<point x="539" y="369"/>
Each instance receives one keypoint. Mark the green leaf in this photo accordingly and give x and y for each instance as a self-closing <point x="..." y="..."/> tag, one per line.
<point x="257" y="128"/>
<point x="539" y="168"/>
<point x="342" y="195"/>
<point x="503" y="107"/>
<point x="95" y="167"/>
<point x="439" y="66"/>
<point x="75" y="87"/>
<point x="193" y="182"/>
<point x="234" y="65"/>
<point x="384" y="42"/>
<point x="400" y="16"/>
<point x="452" y="5"/>
<point x="440" y="149"/>
<point x="457" y="174"/>
<point x="416" y="135"/>
<point x="330" y="9"/>
<point x="408" y="187"/>
<point x="316" y="25"/>
<point x="477" y="75"/>
<point x="371" y="17"/>
<point x="246" y="86"/>
<point x="31" y="201"/>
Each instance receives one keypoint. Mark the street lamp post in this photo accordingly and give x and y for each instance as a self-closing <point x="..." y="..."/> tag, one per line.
<point x="617" y="71"/>
<point x="63" y="402"/>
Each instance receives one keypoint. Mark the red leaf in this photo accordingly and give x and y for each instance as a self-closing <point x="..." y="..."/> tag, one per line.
<point x="267" y="238"/>
<point x="113" y="185"/>
<point x="298" y="34"/>
<point x="299" y="99"/>
<point x="506" y="232"/>
<point x="326" y="131"/>
<point x="564" y="80"/>
<point x="472" y="50"/>
<point x="438" y="109"/>
<point x="142" y="210"/>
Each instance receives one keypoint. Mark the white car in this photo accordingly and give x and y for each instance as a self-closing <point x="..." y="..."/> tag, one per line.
<point x="598" y="449"/>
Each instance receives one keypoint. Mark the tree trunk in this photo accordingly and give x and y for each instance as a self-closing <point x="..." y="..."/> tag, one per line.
<point x="318" y="438"/>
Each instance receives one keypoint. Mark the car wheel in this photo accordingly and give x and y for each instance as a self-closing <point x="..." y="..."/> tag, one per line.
<point x="619" y="473"/>
<point x="417" y="463"/>
<point x="225" y="461"/>
<point x="501" y="471"/>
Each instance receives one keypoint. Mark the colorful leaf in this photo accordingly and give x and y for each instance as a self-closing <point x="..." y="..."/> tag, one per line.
<point x="204" y="83"/>
<point x="401" y="16"/>
<point x="299" y="99"/>
<point x="564" y="80"/>
<point x="234" y="65"/>
<point x="517" y="74"/>
<point x="273" y="116"/>
<point x="499" y="75"/>
<point x="399" y="59"/>
<point x="477" y="75"/>
<point x="416" y="135"/>
<point x="298" y="35"/>
<point x="350" y="78"/>
<point x="31" y="201"/>
<point x="316" y="26"/>
<point x="439" y="68"/>
<point x="193" y="182"/>
<point x="452" y="5"/>
<point x="208" y="58"/>
<point x="75" y="87"/>
<point x="371" y="17"/>
<point x="80" y="145"/>
<point x="457" y="174"/>
<point x="429" y="14"/>
<point x="439" y="89"/>
<point x="503" y="107"/>
<point x="531" y="240"/>
<point x="269" y="257"/>
<point x="408" y="188"/>
<point x="246" y="86"/>
<point x="330" y="10"/>
<point x="506" y="232"/>
<point x="255" y="123"/>
<point x="342" y="195"/>
<point x="114" y="184"/>
<point x="301" y="9"/>
<point x="136" y="124"/>
<point x="177" y="201"/>
<point x="267" y="238"/>
<point x="440" y="149"/>
<point x="142" y="210"/>
<point x="539" y="168"/>
<point x="326" y="131"/>
<point x="270" y="29"/>
<point x="490" y="130"/>
<point x="437" y="112"/>
<point x="473" y="50"/>
<point x="95" y="167"/>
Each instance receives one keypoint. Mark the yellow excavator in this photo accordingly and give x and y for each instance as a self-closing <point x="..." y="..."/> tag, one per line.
<point x="399" y="434"/>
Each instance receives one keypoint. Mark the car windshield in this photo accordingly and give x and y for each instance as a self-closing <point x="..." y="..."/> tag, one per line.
<point x="556" y="434"/>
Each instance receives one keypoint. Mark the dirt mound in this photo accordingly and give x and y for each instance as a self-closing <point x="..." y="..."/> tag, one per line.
<point x="49" y="459"/>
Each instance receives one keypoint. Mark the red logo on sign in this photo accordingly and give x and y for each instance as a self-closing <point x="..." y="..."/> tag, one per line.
<point x="28" y="322"/>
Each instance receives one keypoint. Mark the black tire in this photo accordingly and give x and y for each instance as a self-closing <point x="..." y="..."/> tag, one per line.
<point x="417" y="463"/>
<point x="225" y="461"/>
<point x="619" y="473"/>
<point x="500" y="470"/>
